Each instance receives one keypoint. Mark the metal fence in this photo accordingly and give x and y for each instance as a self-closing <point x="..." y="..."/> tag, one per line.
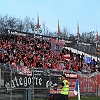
<point x="27" y="87"/>
<point x="14" y="86"/>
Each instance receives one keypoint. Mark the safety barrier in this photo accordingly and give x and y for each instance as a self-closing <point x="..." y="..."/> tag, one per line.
<point x="14" y="86"/>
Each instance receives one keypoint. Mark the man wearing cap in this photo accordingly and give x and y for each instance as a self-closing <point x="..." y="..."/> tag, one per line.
<point x="64" y="88"/>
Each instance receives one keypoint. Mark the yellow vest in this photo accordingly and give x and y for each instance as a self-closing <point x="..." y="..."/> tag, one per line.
<point x="65" y="88"/>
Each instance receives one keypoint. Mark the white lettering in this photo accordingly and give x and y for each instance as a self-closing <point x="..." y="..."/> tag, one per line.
<point x="25" y="81"/>
<point x="40" y="80"/>
<point x="36" y="80"/>
<point x="16" y="81"/>
<point x="12" y="84"/>
<point x="20" y="81"/>
<point x="7" y="85"/>
<point x="16" y="33"/>
<point x="29" y="81"/>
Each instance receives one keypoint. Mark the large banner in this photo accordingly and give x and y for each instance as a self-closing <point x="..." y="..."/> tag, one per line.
<point x="17" y="33"/>
<point x="40" y="78"/>
<point x="56" y="46"/>
<point x="87" y="83"/>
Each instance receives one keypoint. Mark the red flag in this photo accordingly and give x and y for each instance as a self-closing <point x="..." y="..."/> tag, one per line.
<point x="38" y="23"/>
<point x="58" y="28"/>
<point x="96" y="35"/>
<point x="78" y="32"/>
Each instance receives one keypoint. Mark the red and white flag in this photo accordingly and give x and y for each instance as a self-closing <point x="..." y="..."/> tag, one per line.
<point x="67" y="57"/>
<point x="96" y="35"/>
<point x="58" y="28"/>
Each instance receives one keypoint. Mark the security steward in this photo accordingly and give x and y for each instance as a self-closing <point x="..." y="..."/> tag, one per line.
<point x="64" y="88"/>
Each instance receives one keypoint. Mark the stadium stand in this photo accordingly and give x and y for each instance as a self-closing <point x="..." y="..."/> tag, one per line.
<point x="19" y="51"/>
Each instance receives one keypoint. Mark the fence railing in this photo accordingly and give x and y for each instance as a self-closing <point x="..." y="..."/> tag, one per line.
<point x="14" y="86"/>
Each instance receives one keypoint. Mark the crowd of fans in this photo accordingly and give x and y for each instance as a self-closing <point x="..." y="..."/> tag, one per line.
<point x="33" y="52"/>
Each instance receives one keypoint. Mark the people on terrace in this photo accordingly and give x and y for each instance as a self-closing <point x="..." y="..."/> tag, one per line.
<point x="36" y="53"/>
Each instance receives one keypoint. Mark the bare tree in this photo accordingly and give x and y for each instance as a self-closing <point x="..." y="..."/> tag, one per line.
<point x="20" y="25"/>
<point x="65" y="33"/>
<point x="27" y="24"/>
<point x="11" y="22"/>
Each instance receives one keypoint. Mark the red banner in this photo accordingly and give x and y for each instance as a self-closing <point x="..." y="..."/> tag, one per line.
<point x="98" y="83"/>
<point x="88" y="83"/>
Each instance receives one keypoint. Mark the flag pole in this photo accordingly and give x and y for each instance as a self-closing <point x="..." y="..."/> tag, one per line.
<point x="37" y="22"/>
<point x="97" y="41"/>
<point x="77" y="36"/>
<point x="58" y="30"/>
<point x="78" y="92"/>
<point x="77" y="89"/>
